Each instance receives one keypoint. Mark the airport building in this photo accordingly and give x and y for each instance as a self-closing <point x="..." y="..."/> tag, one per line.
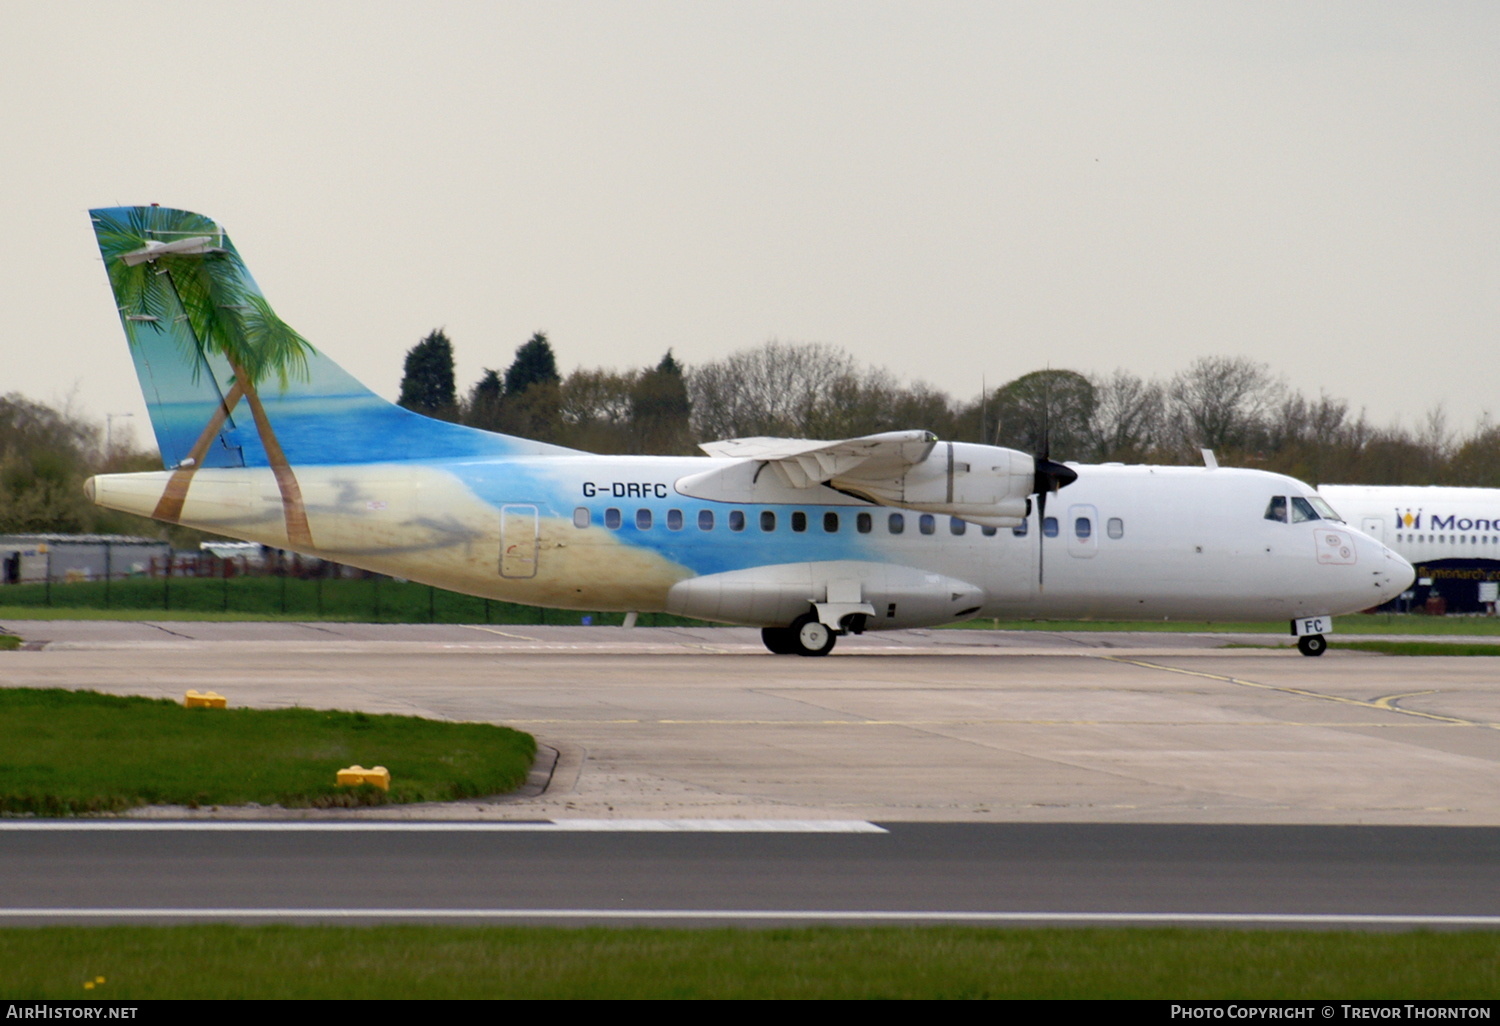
<point x="38" y="558"/>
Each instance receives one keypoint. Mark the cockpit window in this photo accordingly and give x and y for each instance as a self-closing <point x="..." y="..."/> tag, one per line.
<point x="1302" y="510"/>
<point x="1277" y="509"/>
<point x="1326" y="511"/>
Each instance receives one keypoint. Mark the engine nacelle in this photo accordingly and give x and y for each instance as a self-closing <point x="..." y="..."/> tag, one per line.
<point x="985" y="484"/>
<point x="774" y="596"/>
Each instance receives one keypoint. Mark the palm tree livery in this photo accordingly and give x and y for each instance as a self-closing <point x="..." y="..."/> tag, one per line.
<point x="165" y="264"/>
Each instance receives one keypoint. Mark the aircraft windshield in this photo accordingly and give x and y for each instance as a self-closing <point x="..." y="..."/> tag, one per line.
<point x="1302" y="510"/>
<point x="1326" y="511"/>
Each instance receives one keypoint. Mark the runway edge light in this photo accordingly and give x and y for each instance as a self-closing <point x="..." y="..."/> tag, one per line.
<point x="353" y="776"/>
<point x="204" y="700"/>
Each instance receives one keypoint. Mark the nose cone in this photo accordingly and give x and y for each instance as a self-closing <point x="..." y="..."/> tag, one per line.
<point x="1390" y="574"/>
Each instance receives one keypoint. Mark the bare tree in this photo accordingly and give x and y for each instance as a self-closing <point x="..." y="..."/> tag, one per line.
<point x="1221" y="403"/>
<point x="779" y="389"/>
<point x="1129" y="414"/>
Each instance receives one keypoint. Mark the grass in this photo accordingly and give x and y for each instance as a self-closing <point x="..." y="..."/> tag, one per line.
<point x="69" y="752"/>
<point x="1419" y="648"/>
<point x="372" y="600"/>
<point x="1355" y="623"/>
<point x="817" y="962"/>
<point x="9" y="642"/>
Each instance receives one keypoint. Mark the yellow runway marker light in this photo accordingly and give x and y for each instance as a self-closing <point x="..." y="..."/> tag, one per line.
<point x="205" y="700"/>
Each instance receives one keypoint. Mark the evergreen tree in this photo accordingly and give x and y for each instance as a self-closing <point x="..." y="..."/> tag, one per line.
<point x="660" y="409"/>
<point x="427" y="385"/>
<point x="534" y="364"/>
<point x="530" y="405"/>
<point x="485" y="407"/>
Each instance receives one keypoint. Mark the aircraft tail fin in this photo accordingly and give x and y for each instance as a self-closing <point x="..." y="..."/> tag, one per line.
<point x="226" y="381"/>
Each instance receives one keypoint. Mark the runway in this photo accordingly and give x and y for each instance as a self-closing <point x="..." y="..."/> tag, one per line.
<point x="995" y="874"/>
<point x="689" y="777"/>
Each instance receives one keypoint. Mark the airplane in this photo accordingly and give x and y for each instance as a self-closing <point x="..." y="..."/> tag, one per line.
<point x="1450" y="535"/>
<point x="807" y="540"/>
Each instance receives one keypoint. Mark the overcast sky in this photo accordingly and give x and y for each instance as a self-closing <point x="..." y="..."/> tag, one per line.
<point x="948" y="190"/>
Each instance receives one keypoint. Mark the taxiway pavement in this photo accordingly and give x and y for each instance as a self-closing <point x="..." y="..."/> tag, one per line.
<point x="913" y="726"/>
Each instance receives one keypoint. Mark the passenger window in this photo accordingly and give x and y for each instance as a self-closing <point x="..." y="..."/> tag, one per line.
<point x="1049" y="527"/>
<point x="767" y="520"/>
<point x="612" y="519"/>
<point x="1302" y="510"/>
<point x="863" y="522"/>
<point x="831" y="523"/>
<point x="581" y="517"/>
<point x="705" y="520"/>
<point x="674" y="519"/>
<point x="956" y="526"/>
<point x="1115" y="528"/>
<point x="1083" y="527"/>
<point x="988" y="532"/>
<point x="1277" y="509"/>
<point x="736" y="520"/>
<point x="1020" y="529"/>
<point x="643" y="519"/>
<point x="799" y="521"/>
<point x="897" y="523"/>
<point x="927" y="523"/>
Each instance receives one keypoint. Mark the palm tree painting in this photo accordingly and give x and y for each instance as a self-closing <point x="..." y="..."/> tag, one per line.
<point x="169" y="266"/>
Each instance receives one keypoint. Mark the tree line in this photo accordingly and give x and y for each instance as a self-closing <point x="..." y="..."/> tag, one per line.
<point x="1235" y="406"/>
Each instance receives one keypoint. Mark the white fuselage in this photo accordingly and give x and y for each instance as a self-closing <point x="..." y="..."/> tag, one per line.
<point x="599" y="533"/>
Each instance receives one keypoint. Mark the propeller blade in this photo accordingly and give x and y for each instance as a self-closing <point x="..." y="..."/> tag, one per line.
<point x="1050" y="476"/>
<point x="1041" y="538"/>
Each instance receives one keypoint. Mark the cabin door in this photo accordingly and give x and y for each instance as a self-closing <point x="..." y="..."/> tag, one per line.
<point x="1374" y="527"/>
<point x="518" y="541"/>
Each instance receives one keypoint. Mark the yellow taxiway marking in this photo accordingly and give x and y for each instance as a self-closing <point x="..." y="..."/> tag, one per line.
<point x="1386" y="704"/>
<point x="503" y="634"/>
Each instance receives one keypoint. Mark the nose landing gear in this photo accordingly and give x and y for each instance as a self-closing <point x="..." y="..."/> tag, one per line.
<point x="1312" y="644"/>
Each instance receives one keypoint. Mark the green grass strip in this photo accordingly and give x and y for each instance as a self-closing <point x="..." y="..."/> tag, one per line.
<point x="68" y="752"/>
<point x="818" y="962"/>
<point x="9" y="642"/>
<point x="1357" y="623"/>
<point x="1420" y="648"/>
<point x="356" y="600"/>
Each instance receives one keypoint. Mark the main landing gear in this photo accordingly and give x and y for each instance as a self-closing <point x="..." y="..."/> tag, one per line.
<point x="807" y="636"/>
<point x="1312" y="644"/>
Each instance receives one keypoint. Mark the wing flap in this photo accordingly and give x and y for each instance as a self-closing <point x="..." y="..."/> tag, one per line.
<point x="805" y="463"/>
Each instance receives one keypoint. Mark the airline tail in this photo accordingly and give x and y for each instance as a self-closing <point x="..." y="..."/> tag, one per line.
<point x="228" y="383"/>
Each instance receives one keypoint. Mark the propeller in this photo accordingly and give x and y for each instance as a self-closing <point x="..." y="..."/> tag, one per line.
<point x="1049" y="477"/>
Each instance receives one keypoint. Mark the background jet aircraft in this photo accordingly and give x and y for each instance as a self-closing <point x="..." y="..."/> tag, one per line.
<point x="267" y="439"/>
<point x="1451" y="536"/>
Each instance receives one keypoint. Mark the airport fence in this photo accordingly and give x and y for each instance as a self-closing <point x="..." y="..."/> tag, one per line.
<point x="314" y="596"/>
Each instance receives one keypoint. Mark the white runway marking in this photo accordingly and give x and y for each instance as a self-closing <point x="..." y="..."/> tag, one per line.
<point x="742" y="915"/>
<point x="659" y="826"/>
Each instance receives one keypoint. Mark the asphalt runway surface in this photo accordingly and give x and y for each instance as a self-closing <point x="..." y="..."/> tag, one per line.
<point x="1096" y="874"/>
<point x="689" y="776"/>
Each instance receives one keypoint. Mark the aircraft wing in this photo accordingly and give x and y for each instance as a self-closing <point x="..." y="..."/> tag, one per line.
<point x="803" y="462"/>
